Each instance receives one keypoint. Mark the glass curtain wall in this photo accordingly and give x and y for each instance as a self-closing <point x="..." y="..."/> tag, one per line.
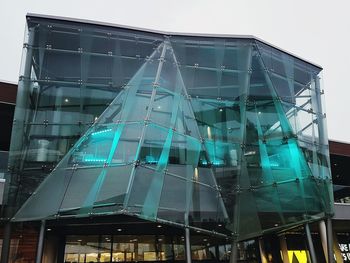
<point x="225" y="135"/>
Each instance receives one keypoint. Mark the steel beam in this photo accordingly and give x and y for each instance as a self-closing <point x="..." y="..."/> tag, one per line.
<point x="233" y="257"/>
<point x="39" y="252"/>
<point x="330" y="240"/>
<point x="188" y="245"/>
<point x="310" y="244"/>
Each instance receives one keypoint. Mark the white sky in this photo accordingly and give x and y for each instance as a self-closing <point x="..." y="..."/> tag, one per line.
<point x="317" y="30"/>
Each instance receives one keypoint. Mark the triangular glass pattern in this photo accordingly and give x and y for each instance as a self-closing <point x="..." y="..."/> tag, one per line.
<point x="125" y="144"/>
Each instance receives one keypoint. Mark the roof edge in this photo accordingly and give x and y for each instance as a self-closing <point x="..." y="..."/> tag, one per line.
<point x="9" y="82"/>
<point x="100" y="23"/>
<point x="339" y="141"/>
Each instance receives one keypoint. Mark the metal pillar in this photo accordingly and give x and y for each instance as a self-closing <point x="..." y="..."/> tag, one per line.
<point x="39" y="252"/>
<point x="188" y="245"/>
<point x="330" y="241"/>
<point x="310" y="244"/>
<point x="5" y="250"/>
<point x="284" y="248"/>
<point x="148" y="114"/>
<point x="233" y="257"/>
<point x="262" y="251"/>
<point x="323" y="235"/>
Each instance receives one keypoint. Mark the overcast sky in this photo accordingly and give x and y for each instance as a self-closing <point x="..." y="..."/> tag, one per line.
<point x="316" y="30"/>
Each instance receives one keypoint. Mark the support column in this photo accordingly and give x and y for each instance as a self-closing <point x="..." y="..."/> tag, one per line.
<point x="233" y="257"/>
<point x="136" y="249"/>
<point x="5" y="251"/>
<point x="310" y="244"/>
<point x="188" y="245"/>
<point x="284" y="248"/>
<point x="39" y="252"/>
<point x="330" y="240"/>
<point x="262" y="251"/>
<point x="323" y="235"/>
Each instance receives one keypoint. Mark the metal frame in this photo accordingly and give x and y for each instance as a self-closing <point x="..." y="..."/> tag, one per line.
<point x="86" y="21"/>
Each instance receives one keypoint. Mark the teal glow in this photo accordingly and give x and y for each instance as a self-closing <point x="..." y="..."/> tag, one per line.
<point x="274" y="164"/>
<point x="297" y="160"/>
<point x="151" y="159"/>
<point x="216" y="151"/>
<point x="102" y="132"/>
<point x="218" y="162"/>
<point x="94" y="160"/>
<point x="204" y="162"/>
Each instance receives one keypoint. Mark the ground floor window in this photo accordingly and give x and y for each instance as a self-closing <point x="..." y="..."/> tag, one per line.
<point x="121" y="248"/>
<point x="132" y="248"/>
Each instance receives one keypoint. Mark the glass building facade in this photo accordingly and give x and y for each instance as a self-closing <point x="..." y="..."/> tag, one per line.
<point x="220" y="134"/>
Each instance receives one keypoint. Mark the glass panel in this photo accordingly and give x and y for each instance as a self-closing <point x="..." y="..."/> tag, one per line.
<point x="217" y="120"/>
<point x="46" y="202"/>
<point x="269" y="207"/>
<point x="87" y="249"/>
<point x="179" y="251"/>
<point x="206" y="205"/>
<point x="113" y="113"/>
<point x="249" y="216"/>
<point x="95" y="147"/>
<point x="124" y="248"/>
<point x="185" y="121"/>
<point x="82" y="181"/>
<point x="170" y="78"/>
<point x="184" y="150"/>
<point x="125" y="152"/>
<point x="114" y="186"/>
<point x="152" y="147"/>
<point x="140" y="188"/>
<point x="173" y="201"/>
<point x="203" y="248"/>
<point x="147" y="249"/>
<point x="140" y="102"/>
<point x="292" y="202"/>
<point x="163" y="109"/>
